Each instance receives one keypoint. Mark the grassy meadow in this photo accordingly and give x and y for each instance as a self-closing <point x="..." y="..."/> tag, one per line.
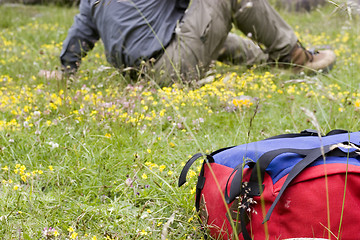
<point x="98" y="156"/>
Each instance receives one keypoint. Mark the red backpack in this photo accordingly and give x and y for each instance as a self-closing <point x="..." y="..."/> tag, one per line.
<point x="288" y="186"/>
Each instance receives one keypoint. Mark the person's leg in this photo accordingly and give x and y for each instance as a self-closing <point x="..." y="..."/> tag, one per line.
<point x="198" y="39"/>
<point x="258" y="19"/>
<point x="203" y="31"/>
<point x="238" y="50"/>
<point x="202" y="36"/>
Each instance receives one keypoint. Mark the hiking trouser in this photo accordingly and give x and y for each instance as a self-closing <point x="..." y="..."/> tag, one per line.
<point x="203" y="36"/>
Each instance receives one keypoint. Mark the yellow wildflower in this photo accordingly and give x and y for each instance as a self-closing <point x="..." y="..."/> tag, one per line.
<point x="161" y="168"/>
<point x="74" y="235"/>
<point x="192" y="173"/>
<point x="23" y="178"/>
<point x="193" y="190"/>
<point x="357" y="103"/>
<point x="143" y="232"/>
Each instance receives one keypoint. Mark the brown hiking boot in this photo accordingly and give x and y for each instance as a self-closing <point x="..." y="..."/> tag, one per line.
<point x="303" y="60"/>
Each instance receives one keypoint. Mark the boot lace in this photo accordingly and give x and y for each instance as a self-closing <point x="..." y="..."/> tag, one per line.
<point x="308" y="52"/>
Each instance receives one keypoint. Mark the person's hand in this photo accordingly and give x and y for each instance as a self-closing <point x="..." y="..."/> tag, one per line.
<point x="50" y="75"/>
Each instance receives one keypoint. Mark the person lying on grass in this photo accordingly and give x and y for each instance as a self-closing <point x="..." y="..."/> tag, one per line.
<point x="180" y="39"/>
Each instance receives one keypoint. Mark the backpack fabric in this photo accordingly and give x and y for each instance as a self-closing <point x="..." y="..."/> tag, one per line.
<point x="289" y="186"/>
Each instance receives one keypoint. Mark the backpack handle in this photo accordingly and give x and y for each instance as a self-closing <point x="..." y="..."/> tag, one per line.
<point x="190" y="162"/>
<point x="201" y="179"/>
<point x="185" y="170"/>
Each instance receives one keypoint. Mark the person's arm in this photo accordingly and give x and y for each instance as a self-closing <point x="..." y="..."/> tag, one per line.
<point x="81" y="38"/>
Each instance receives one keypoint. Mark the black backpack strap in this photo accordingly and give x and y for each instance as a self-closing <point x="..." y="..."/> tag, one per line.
<point x="304" y="133"/>
<point x="201" y="179"/>
<point x="185" y="170"/>
<point x="337" y="131"/>
<point x="311" y="156"/>
<point x="236" y="181"/>
<point x="328" y="150"/>
<point x="265" y="159"/>
<point x="259" y="168"/>
<point x="308" y="132"/>
<point x="220" y="150"/>
<point x="253" y="188"/>
<point x="243" y="224"/>
<point x="199" y="186"/>
<point x="190" y="162"/>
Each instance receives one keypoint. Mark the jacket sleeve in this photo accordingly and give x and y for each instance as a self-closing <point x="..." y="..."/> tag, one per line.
<point x="81" y="38"/>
